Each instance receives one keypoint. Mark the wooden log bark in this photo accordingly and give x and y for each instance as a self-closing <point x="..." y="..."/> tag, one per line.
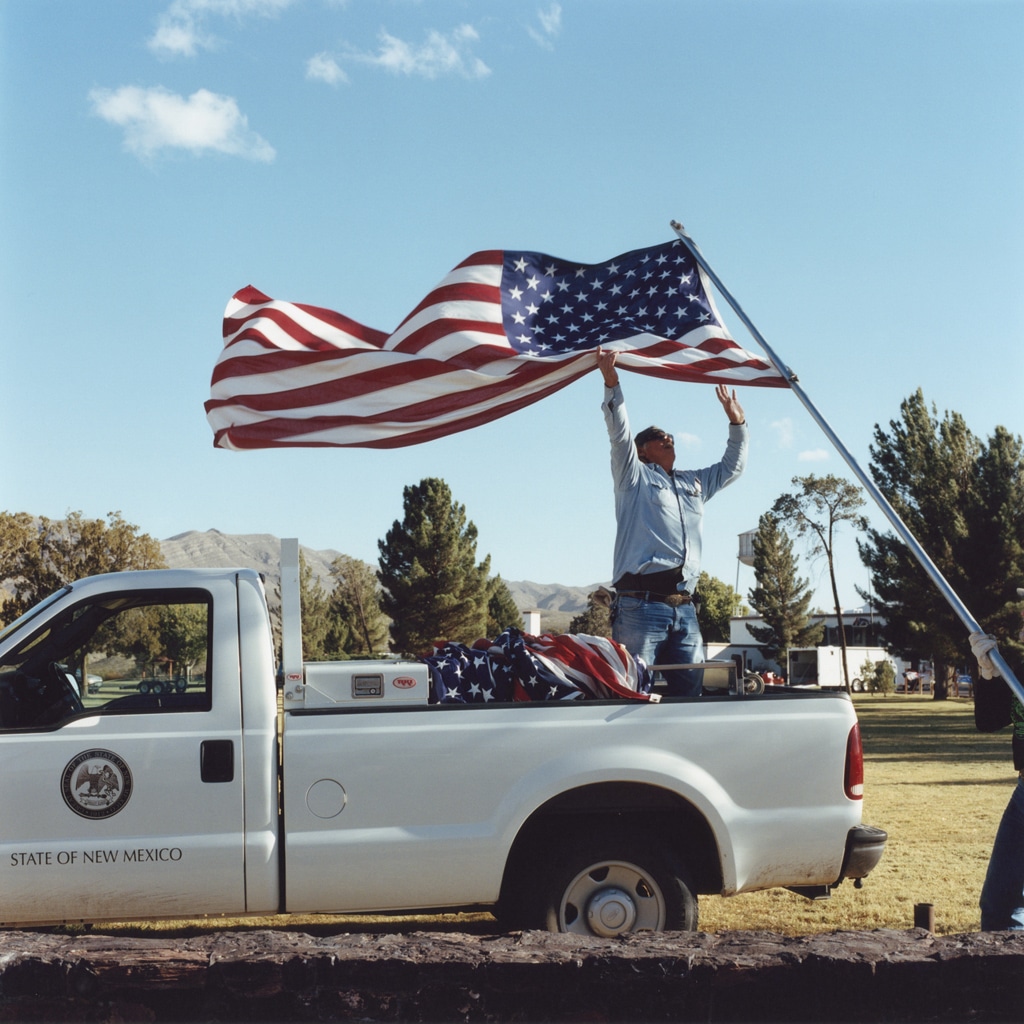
<point x="530" y="976"/>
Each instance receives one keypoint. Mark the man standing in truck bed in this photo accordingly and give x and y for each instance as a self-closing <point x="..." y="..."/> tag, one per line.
<point x="659" y="511"/>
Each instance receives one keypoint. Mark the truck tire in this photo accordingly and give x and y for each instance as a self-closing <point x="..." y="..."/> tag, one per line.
<point x="608" y="887"/>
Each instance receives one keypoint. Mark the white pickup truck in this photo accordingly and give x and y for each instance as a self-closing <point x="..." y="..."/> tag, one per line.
<point x="346" y="791"/>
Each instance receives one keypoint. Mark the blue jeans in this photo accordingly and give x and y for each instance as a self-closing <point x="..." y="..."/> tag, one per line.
<point x="1002" y="895"/>
<point x="660" y="634"/>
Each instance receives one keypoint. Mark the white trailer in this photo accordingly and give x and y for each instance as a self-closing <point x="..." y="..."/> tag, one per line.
<point x="823" y="666"/>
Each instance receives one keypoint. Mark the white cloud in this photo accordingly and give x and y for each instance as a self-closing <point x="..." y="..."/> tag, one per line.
<point x="813" y="455"/>
<point x="181" y="31"/>
<point x="441" y="54"/>
<point x="155" y="119"/>
<point x="783" y="432"/>
<point x="324" y="68"/>
<point x="550" y="26"/>
<point x="178" y="40"/>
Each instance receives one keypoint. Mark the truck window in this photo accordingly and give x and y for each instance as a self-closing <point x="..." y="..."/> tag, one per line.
<point x="136" y="652"/>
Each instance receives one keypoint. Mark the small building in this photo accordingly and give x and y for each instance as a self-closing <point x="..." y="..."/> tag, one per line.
<point x="862" y="627"/>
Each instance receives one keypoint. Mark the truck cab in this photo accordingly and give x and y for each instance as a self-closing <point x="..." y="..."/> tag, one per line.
<point x="175" y="790"/>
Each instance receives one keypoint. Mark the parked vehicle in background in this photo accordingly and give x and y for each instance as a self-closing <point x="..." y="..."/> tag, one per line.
<point x="823" y="666"/>
<point x="92" y="682"/>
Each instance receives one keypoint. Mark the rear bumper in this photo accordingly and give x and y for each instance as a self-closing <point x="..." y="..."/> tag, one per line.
<point x="865" y="845"/>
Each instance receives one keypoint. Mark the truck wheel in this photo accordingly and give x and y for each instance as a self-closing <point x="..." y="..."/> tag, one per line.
<point x="610" y="887"/>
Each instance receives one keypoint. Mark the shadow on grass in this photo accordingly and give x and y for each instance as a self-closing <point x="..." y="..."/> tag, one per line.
<point x="893" y="729"/>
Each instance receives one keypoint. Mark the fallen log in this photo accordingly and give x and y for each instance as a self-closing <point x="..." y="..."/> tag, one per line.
<point x="271" y="975"/>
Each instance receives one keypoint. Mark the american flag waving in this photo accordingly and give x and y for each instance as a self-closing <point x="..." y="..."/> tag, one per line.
<point x="502" y="330"/>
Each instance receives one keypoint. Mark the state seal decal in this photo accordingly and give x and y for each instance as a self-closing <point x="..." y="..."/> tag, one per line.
<point x="96" y="784"/>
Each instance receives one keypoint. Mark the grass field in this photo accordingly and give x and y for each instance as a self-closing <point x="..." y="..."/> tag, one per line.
<point x="938" y="787"/>
<point x="935" y="784"/>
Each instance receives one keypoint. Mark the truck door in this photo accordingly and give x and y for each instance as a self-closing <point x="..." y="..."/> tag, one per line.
<point x="120" y="734"/>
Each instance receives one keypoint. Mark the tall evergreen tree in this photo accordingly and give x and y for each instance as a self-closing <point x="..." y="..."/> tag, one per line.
<point x="501" y="607"/>
<point x="780" y="597"/>
<point x="355" y="600"/>
<point x="817" y="511"/>
<point x="963" y="501"/>
<point x="323" y="633"/>
<point x="433" y="587"/>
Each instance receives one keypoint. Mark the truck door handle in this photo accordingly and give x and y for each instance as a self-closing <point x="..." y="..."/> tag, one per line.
<point x="217" y="761"/>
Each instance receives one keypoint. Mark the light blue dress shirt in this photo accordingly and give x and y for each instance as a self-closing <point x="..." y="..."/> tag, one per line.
<point x="659" y="515"/>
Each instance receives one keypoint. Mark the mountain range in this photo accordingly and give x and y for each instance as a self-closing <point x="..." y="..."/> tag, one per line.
<point x="262" y="551"/>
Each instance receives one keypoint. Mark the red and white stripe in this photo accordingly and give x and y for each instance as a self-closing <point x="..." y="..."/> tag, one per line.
<point x="596" y="664"/>
<point x="294" y="375"/>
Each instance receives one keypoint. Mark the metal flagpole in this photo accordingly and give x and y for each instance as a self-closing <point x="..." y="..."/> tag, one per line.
<point x="866" y="482"/>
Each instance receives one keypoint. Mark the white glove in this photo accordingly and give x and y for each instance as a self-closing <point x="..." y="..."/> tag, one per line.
<point x="982" y="644"/>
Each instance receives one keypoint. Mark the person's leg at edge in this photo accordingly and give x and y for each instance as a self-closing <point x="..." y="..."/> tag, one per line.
<point x="1002" y="895"/>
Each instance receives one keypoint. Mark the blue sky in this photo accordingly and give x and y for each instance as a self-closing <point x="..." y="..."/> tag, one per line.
<point x="853" y="171"/>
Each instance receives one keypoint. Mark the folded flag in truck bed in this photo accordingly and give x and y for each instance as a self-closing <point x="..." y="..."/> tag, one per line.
<point x="501" y="331"/>
<point x="516" y="666"/>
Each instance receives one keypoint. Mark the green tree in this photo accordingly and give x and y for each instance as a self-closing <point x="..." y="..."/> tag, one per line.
<point x="40" y="555"/>
<point x="878" y="676"/>
<point x="717" y="603"/>
<point x="136" y="634"/>
<point x="963" y="501"/>
<point x="16" y="532"/>
<point x="323" y="634"/>
<point x="184" y="635"/>
<point x="433" y="587"/>
<point x="780" y="596"/>
<point x="596" y="620"/>
<point x="355" y="601"/>
<point x="501" y="608"/>
<point x="816" y="512"/>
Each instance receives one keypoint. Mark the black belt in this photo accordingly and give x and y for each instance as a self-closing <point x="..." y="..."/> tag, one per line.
<point x="673" y="600"/>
